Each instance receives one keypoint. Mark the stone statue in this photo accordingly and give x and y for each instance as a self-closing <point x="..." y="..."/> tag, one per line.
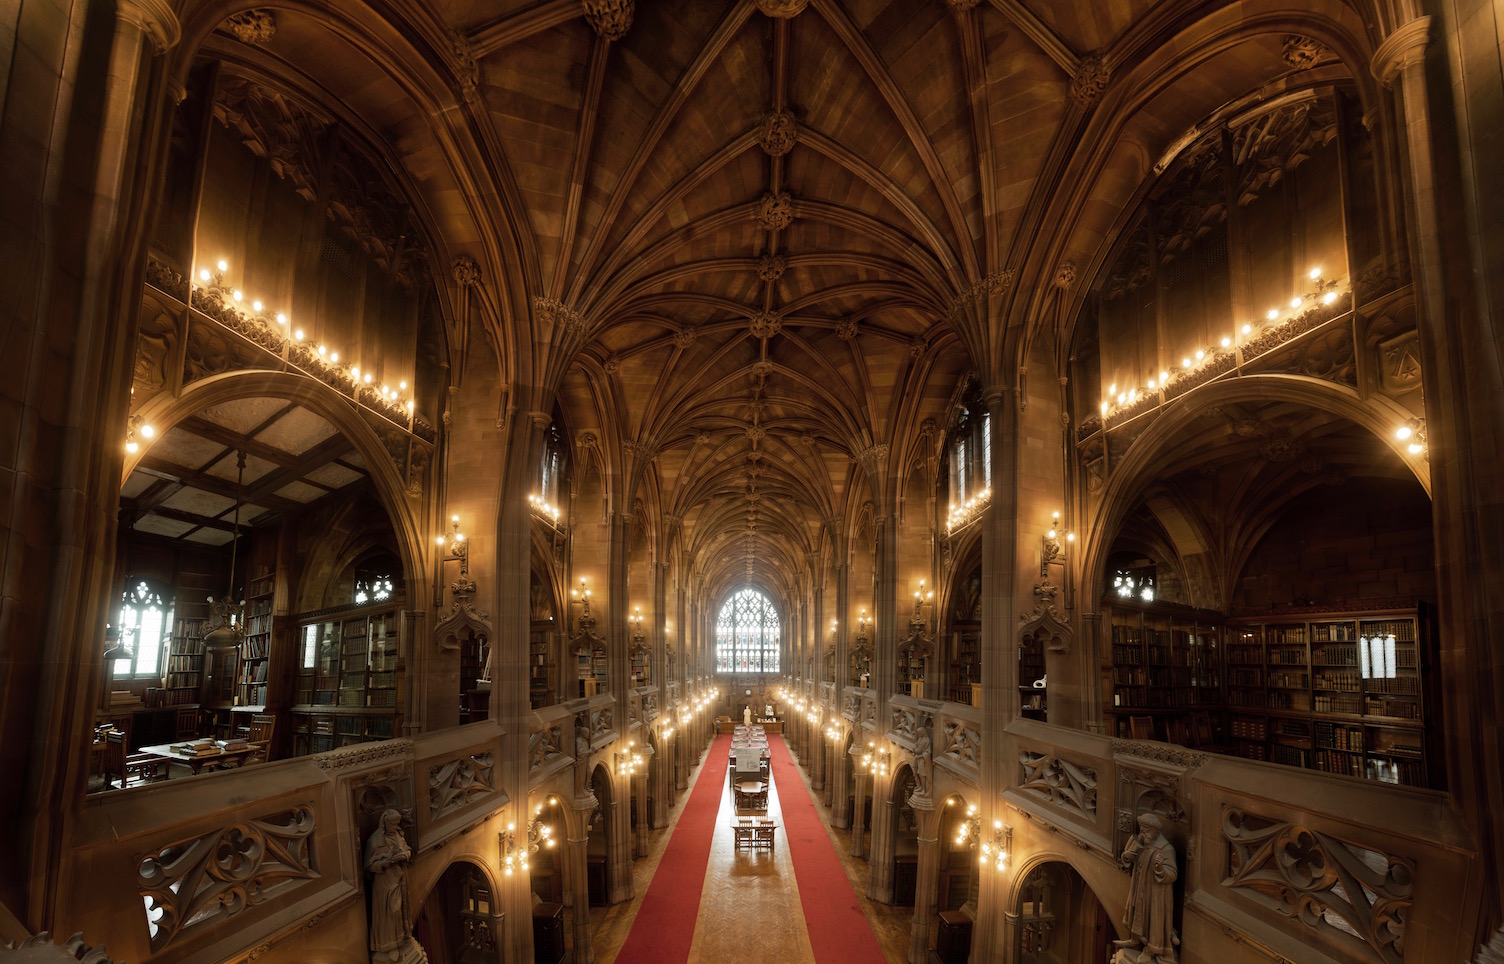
<point x="386" y="858"/>
<point x="924" y="769"/>
<point x="747" y="714"/>
<point x="581" y="743"/>
<point x="1150" y="913"/>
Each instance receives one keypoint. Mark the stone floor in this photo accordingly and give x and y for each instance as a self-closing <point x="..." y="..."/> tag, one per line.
<point x="764" y="891"/>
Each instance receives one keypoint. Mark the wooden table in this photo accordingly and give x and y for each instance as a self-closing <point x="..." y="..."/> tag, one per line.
<point x="752" y="795"/>
<point x="753" y="833"/>
<point x="197" y="761"/>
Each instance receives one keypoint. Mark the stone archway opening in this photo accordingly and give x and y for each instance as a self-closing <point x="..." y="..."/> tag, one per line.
<point x="459" y="921"/>
<point x="1058" y="919"/>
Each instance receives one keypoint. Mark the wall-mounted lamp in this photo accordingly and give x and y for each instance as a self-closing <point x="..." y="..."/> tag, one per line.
<point x="877" y="761"/>
<point x="998" y="849"/>
<point x="834" y="731"/>
<point x="665" y="727"/>
<point x="626" y="762"/>
<point x="1052" y="548"/>
<point x="1413" y="434"/>
<point x="454" y="546"/>
<point x="969" y="829"/>
<point x="540" y="836"/>
<point x="548" y="512"/>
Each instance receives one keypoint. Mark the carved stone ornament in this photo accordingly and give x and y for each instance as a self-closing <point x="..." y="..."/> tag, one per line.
<point x="556" y="313"/>
<point x="452" y="785"/>
<point x="465" y="271"/>
<point x="846" y="329"/>
<point x="544" y="747"/>
<point x="765" y="324"/>
<point x="966" y="300"/>
<point x="39" y="949"/>
<point x="467" y="68"/>
<point x="362" y="754"/>
<point x="205" y="881"/>
<point x="1045" y="622"/>
<point x="782" y="9"/>
<point x="612" y="364"/>
<point x="963" y="743"/>
<point x="1162" y="752"/>
<point x="1399" y="363"/>
<point x="1064" y="784"/>
<point x="1065" y="274"/>
<point x="778" y="133"/>
<point x="683" y="338"/>
<point x="1335" y="887"/>
<point x="775" y="211"/>
<point x="962" y="5"/>
<point x="916" y="348"/>
<point x="763" y="369"/>
<point x="1092" y="76"/>
<point x="770" y="267"/>
<point x="462" y="620"/>
<point x="252" y="26"/>
<point x="610" y="19"/>
<point x="1301" y="53"/>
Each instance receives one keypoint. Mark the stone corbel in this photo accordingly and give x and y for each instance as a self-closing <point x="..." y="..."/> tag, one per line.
<point x="1403" y="48"/>
<point x="462" y="618"/>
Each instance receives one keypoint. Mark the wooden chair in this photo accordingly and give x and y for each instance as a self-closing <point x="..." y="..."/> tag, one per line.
<point x="187" y="724"/>
<point x="263" y="725"/>
<point x="137" y="767"/>
<point x="1141" y="727"/>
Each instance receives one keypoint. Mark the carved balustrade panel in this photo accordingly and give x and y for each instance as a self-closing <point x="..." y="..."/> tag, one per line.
<point x="852" y="707"/>
<point x="1351" y="894"/>
<point x="208" y="879"/>
<point x="455" y="783"/>
<point x="1066" y="785"/>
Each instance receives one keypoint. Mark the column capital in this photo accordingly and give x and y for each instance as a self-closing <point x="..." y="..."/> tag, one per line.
<point x="1403" y="48"/>
<point x="155" y="19"/>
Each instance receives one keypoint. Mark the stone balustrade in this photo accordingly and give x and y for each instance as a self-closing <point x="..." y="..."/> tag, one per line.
<point x="1292" y="864"/>
<point x="214" y="865"/>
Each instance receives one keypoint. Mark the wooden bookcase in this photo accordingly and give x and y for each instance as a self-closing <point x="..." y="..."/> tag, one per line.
<point x="542" y="682"/>
<point x="255" y="649"/>
<point x="346" y="686"/>
<point x="1166" y="661"/>
<point x="1342" y="692"/>
<point x="185" y="662"/>
<point x="968" y="663"/>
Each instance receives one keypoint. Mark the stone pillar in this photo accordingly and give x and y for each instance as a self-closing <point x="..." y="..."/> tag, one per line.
<point x="884" y="827"/>
<point x="859" y="811"/>
<point x="578" y="877"/>
<point x="640" y="835"/>
<point x="926" y="887"/>
<point x="619" y="840"/>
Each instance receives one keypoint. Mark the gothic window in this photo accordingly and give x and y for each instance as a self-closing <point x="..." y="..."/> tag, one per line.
<point x="552" y="468"/>
<point x="746" y="635"/>
<point x="144" y="625"/>
<point x="372" y="587"/>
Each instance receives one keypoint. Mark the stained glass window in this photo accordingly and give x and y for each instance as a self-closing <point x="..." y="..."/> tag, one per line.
<point x="746" y="635"/>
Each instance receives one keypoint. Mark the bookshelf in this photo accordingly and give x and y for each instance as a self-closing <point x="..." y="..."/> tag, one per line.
<point x="591" y="667"/>
<point x="1165" y="660"/>
<point x="1032" y="701"/>
<point x="541" y="684"/>
<point x="345" y="690"/>
<point x="185" y="662"/>
<point x="1342" y="693"/>
<point x="911" y="674"/>
<point x="968" y="664"/>
<point x="255" y="649"/>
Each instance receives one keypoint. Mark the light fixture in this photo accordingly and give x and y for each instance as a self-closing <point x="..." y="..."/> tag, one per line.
<point x="626" y="762"/>
<point x="231" y="629"/>
<point x="1295" y="302"/>
<point x="997" y="850"/>
<point x="1315" y="273"/>
<point x="1413" y="433"/>
<point x="457" y="549"/>
<point x="876" y="761"/>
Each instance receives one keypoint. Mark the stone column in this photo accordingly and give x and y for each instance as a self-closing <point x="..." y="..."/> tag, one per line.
<point x="640" y="835"/>
<point x="578" y="877"/>
<point x="859" y="811"/>
<point x="926" y="886"/>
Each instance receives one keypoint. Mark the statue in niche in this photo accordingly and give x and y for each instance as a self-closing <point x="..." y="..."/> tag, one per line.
<point x="1150" y="912"/>
<point x="386" y="857"/>
<point x="924" y="764"/>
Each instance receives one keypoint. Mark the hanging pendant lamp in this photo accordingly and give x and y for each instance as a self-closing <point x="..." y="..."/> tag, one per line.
<point x="230" y="631"/>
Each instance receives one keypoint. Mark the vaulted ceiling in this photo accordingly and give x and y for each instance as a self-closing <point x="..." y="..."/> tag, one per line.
<point x="751" y="245"/>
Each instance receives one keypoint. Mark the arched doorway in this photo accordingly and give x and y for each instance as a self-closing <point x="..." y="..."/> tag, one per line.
<point x="1059" y="920"/>
<point x="459" y="922"/>
<point x="598" y="850"/>
<point x="904" y="826"/>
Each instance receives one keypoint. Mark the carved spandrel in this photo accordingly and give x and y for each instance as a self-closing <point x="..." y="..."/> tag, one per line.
<point x="216" y="876"/>
<point x="1353" y="895"/>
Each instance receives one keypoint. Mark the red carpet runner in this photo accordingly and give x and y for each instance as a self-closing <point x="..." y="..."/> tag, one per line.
<point x="664" y="927"/>
<point x="839" y="931"/>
